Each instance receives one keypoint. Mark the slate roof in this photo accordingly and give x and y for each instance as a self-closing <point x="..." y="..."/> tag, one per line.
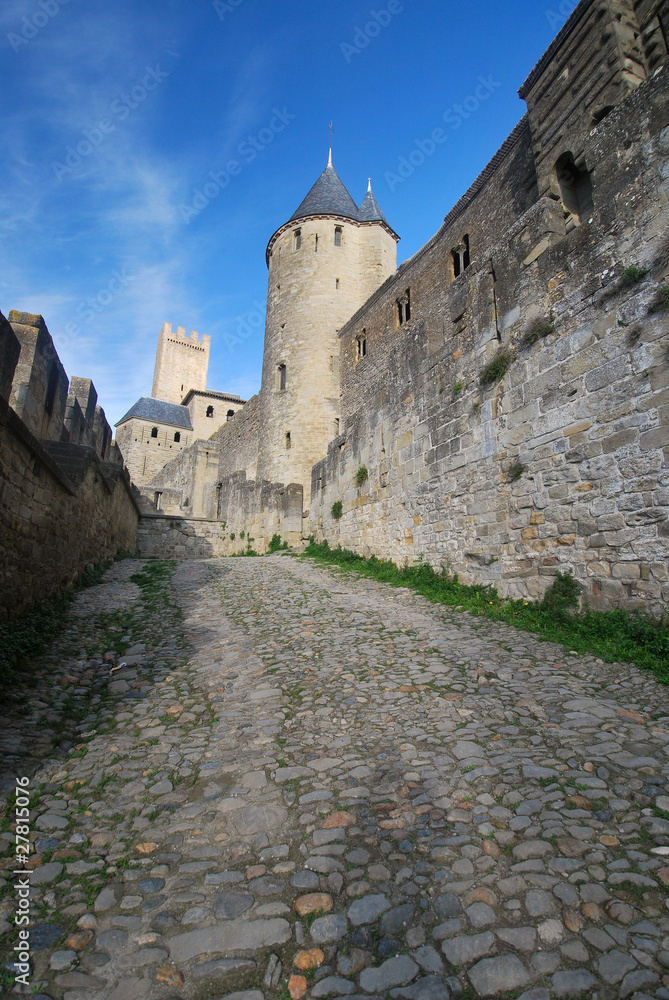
<point x="159" y="412"/>
<point x="328" y="196"/>
<point x="370" y="210"/>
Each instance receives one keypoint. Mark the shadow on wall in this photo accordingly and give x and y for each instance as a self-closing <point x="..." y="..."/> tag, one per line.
<point x="164" y="537"/>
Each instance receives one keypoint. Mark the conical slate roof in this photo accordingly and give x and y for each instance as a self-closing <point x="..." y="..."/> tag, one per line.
<point x="370" y="210"/>
<point x="328" y="196"/>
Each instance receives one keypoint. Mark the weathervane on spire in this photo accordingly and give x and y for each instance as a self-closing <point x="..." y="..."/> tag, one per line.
<point x="330" y="156"/>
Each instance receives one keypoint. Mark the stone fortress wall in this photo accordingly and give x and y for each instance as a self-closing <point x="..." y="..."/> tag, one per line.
<point x="561" y="464"/>
<point x="66" y="501"/>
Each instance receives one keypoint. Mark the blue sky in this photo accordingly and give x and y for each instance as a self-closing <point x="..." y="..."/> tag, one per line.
<point x="152" y="147"/>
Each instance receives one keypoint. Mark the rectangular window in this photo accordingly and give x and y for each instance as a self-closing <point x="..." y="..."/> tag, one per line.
<point x="297" y="235"/>
<point x="282" y="376"/>
<point x="461" y="257"/>
<point x="361" y="346"/>
<point x="338" y="231"/>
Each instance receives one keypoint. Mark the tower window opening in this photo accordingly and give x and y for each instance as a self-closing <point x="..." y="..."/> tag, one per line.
<point x="575" y="190"/>
<point x="182" y="387"/>
<point x="229" y="414"/>
<point x="404" y="307"/>
<point x="288" y="440"/>
<point x="335" y="426"/>
<point x="316" y="244"/>
<point x="154" y="432"/>
<point x="361" y="346"/>
<point x="177" y="437"/>
<point x="281" y="372"/>
<point x="210" y="411"/>
<point x="337" y="284"/>
<point x="461" y="257"/>
<point x="297" y="239"/>
<point x="157" y="497"/>
<point x="338" y="232"/>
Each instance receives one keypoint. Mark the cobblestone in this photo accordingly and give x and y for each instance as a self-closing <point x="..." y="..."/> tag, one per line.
<point x="326" y="786"/>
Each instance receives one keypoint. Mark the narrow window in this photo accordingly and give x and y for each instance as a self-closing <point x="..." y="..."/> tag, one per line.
<point x="575" y="190"/>
<point x="210" y="411"/>
<point x="335" y="427"/>
<point x="455" y="254"/>
<point x="404" y="307"/>
<point x="182" y="388"/>
<point x="361" y="346"/>
<point x="154" y="432"/>
<point x="230" y="414"/>
<point x="51" y="389"/>
<point x="297" y="238"/>
<point x="288" y="441"/>
<point x="177" y="437"/>
<point x="282" y="376"/>
<point x="157" y="498"/>
<point x="316" y="243"/>
<point x="337" y="236"/>
<point x="465" y="253"/>
<point x="337" y="284"/>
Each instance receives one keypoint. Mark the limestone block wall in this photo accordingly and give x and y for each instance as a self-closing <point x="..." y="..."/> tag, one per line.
<point x="186" y="481"/>
<point x="238" y="441"/>
<point x="251" y="511"/>
<point x="182" y="363"/>
<point x="562" y="462"/>
<point x="55" y="518"/>
<point x="40" y="385"/>
<point x="199" y="404"/>
<point x="145" y="455"/>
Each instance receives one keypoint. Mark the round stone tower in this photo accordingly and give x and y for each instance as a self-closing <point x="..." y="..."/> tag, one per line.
<point x="324" y="264"/>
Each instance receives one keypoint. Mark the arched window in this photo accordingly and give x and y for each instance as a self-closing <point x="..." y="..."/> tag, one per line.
<point x="210" y="411"/>
<point x="404" y="307"/>
<point x="460" y="255"/>
<point x="177" y="437"/>
<point x="575" y="190"/>
<point x="154" y="432"/>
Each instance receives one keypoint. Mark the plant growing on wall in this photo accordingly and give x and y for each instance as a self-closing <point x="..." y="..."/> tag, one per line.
<point x="276" y="544"/>
<point x="537" y="331"/>
<point x="497" y="368"/>
<point x="361" y="476"/>
<point x="457" y="388"/>
<point x="661" y="301"/>
<point x="631" y="275"/>
<point x="337" y="510"/>
<point x="516" y="472"/>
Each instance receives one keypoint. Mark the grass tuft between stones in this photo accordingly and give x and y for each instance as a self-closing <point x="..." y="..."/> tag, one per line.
<point x="614" y="636"/>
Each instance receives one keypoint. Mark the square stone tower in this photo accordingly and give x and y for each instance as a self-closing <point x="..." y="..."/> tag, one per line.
<point x="181" y="364"/>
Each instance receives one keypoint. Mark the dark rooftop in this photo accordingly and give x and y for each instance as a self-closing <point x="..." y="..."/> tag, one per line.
<point x="328" y="196"/>
<point x="159" y="412"/>
<point x="370" y="210"/>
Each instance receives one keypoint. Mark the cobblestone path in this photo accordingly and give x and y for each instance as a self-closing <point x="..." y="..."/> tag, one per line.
<point x="348" y="791"/>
